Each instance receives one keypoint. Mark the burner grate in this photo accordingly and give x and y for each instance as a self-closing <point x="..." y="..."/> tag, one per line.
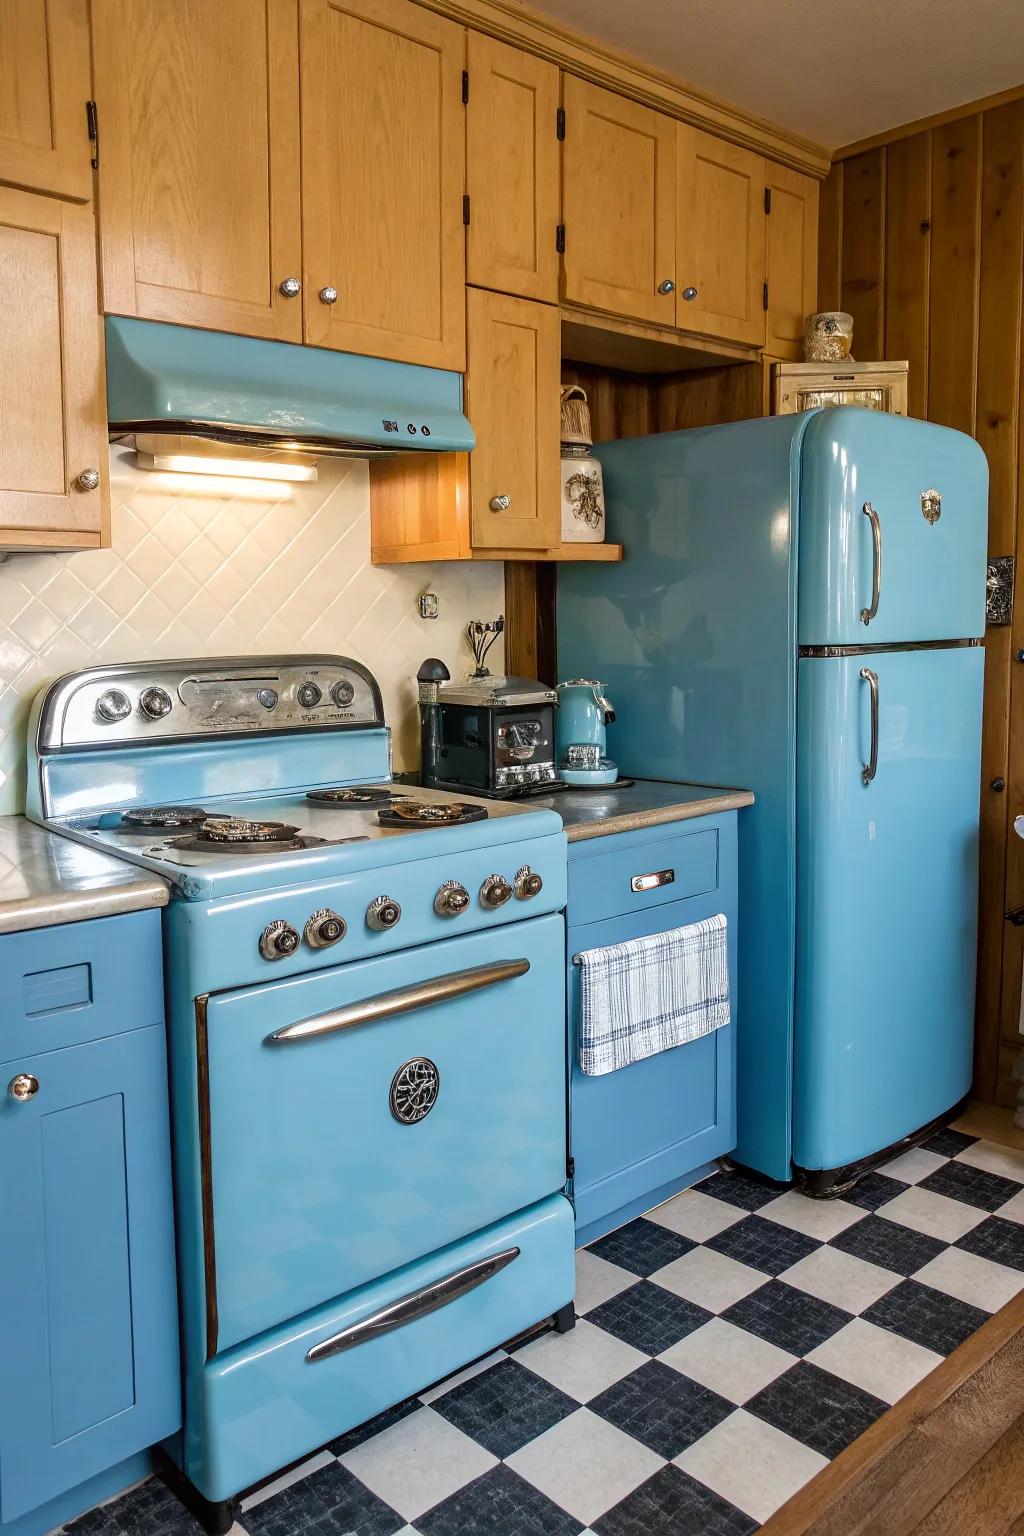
<point x="357" y="794"/>
<point x="147" y="817"/>
<point x="431" y="813"/>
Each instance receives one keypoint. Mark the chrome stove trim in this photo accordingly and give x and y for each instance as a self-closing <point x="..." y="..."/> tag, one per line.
<point x="832" y="651"/>
<point x="206" y="1173"/>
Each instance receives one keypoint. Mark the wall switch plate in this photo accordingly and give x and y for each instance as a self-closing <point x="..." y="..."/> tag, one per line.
<point x="429" y="605"/>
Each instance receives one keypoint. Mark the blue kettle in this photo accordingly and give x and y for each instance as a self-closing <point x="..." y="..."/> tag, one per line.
<point x="581" y="718"/>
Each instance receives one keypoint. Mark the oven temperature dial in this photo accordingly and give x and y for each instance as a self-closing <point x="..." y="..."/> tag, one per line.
<point x="278" y="940"/>
<point x="451" y="900"/>
<point x="495" y="891"/>
<point x="113" y="706"/>
<point x="528" y="883"/>
<point x="382" y="913"/>
<point x="155" y="703"/>
<point x="324" y="927"/>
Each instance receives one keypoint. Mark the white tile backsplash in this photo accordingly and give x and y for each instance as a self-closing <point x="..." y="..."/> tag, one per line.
<point x="212" y="567"/>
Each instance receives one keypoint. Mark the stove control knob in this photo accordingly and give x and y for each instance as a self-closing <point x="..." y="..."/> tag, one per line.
<point x="309" y="695"/>
<point x="343" y="693"/>
<point x="266" y="698"/>
<point x="528" y="883"/>
<point x="278" y="940"/>
<point x="113" y="705"/>
<point x="155" y="702"/>
<point x="451" y="900"/>
<point x="325" y="927"/>
<point x="495" y="891"/>
<point x="382" y="913"/>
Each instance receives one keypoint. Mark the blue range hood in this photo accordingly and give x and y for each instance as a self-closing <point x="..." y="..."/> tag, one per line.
<point x="272" y="394"/>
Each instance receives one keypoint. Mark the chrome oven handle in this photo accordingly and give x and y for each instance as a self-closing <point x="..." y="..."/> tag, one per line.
<point x="867" y="614"/>
<point x="870" y="768"/>
<point x="408" y="1308"/>
<point x="422" y="994"/>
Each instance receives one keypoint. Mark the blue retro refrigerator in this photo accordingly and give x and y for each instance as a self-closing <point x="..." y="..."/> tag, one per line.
<point x="800" y="612"/>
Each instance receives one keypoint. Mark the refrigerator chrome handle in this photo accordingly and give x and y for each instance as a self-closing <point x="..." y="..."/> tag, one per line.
<point x="871" y="766"/>
<point x="867" y="614"/>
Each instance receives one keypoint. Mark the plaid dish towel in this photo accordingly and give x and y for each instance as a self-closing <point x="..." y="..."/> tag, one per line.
<point x="647" y="995"/>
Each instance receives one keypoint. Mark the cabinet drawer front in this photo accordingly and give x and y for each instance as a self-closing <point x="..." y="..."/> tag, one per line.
<point x="79" y="982"/>
<point x="649" y="874"/>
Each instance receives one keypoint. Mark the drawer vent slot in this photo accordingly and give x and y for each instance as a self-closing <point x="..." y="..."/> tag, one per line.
<point x="55" y="991"/>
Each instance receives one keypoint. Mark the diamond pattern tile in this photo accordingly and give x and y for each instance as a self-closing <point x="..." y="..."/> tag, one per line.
<point x="649" y="1317"/>
<point x="662" y="1410"/>
<point x="926" y="1316"/>
<point x="641" y="1246"/>
<point x="505" y="1407"/>
<point x="763" y="1245"/>
<point x="817" y="1408"/>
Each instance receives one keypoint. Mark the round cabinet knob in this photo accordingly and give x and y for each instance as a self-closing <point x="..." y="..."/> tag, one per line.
<point x="113" y="705"/>
<point x="382" y="914"/>
<point x="666" y="286"/>
<point x="451" y="900"/>
<point x="155" y="702"/>
<point x="23" y="1087"/>
<point x="324" y="928"/>
<point x="689" y="294"/>
<point x="343" y="693"/>
<point x="500" y="503"/>
<point x="528" y="883"/>
<point x="329" y="295"/>
<point x="290" y="288"/>
<point x="998" y="785"/>
<point x="309" y="695"/>
<point x="278" y="940"/>
<point x="88" y="480"/>
<point x="495" y="891"/>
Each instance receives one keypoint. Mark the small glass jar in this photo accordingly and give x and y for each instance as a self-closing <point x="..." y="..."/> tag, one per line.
<point x="828" y="336"/>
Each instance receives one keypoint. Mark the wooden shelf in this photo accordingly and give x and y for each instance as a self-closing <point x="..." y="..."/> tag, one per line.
<point x="608" y="553"/>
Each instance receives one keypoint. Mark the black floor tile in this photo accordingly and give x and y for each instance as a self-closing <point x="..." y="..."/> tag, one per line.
<point x="996" y="1239"/>
<point x="785" y="1316"/>
<point x="816" y="1408"/>
<point x="649" y="1317"/>
<point x="763" y="1244"/>
<point x="504" y="1407"/>
<point x="641" y="1247"/>
<point x="381" y="1421"/>
<point x="151" y="1509"/>
<point x="738" y="1189"/>
<point x="661" y="1408"/>
<point x="500" y="1503"/>
<point x="985" y="1191"/>
<point x="333" y="1502"/>
<point x="948" y="1143"/>
<point x="926" y="1316"/>
<point x="873" y="1190"/>
<point x="671" y="1503"/>
<point x="888" y="1244"/>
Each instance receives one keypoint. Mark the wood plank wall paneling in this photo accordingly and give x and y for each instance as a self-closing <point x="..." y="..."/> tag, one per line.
<point x="922" y="239"/>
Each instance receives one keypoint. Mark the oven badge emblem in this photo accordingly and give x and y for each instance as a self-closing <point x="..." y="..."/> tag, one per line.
<point x="414" y="1090"/>
<point x="931" y="506"/>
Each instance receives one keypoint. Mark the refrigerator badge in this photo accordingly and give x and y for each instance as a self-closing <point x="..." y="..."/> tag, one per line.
<point x="931" y="506"/>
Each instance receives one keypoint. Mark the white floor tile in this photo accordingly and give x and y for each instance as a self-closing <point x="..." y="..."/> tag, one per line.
<point x="598" y="1281"/>
<point x="875" y="1360"/>
<point x="1008" y="1162"/>
<point x="936" y="1215"/>
<point x="840" y="1278"/>
<point x="585" y="1464"/>
<point x="433" y="1393"/>
<point x="710" y="1279"/>
<point x="978" y="1281"/>
<point x="913" y="1166"/>
<point x="1013" y="1210"/>
<point x="752" y="1464"/>
<point x="823" y="1219"/>
<point x="583" y="1362"/>
<point x="730" y="1361"/>
<point x="417" y="1462"/>
<point x="293" y="1475"/>
<point x="696" y="1215"/>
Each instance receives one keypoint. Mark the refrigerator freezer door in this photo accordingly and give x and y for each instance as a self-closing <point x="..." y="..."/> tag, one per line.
<point x="886" y="897"/>
<point x="893" y="519"/>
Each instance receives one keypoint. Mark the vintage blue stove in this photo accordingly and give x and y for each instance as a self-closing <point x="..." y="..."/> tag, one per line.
<point x="367" y="1041"/>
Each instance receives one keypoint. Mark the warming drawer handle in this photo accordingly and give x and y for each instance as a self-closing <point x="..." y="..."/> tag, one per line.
<point x="422" y="994"/>
<point x="870" y="768"/>
<point x="867" y="614"/>
<point x="408" y="1308"/>
<point x="651" y="882"/>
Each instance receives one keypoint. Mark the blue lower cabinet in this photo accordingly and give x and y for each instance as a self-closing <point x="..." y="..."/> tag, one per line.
<point x="89" y="1370"/>
<point x="643" y="1133"/>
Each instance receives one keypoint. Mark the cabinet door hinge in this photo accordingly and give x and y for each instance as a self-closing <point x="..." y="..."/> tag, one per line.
<point x="92" y="122"/>
<point x="767" y="199"/>
<point x="465" y="87"/>
<point x="560" y="123"/>
<point x="465" y="208"/>
<point x="764" y="295"/>
<point x="560" y="239"/>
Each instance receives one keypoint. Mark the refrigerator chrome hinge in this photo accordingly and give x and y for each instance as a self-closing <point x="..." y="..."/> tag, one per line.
<point x="93" y="125"/>
<point x="767" y="199"/>
<point x="999" y="590"/>
<point x="560" y="239"/>
<point x="570" y="1167"/>
<point x="764" y="296"/>
<point x="560" y="123"/>
<point x="465" y="87"/>
<point x="465" y="208"/>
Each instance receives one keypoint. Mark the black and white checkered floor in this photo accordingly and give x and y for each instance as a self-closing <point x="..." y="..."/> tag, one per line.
<point x="729" y="1344"/>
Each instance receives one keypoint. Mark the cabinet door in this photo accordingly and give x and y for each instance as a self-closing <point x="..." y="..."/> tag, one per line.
<point x="512" y="400"/>
<point x="512" y="170"/>
<point x="792" y="261"/>
<point x="720" y="240"/>
<point x="383" y="161"/>
<point x="52" y="407"/>
<point x="199" y="166"/>
<point x="44" y="85"/>
<point x="89" y="1367"/>
<point x="618" y="184"/>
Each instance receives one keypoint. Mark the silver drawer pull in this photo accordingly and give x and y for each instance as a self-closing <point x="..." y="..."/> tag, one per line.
<point x="652" y="881"/>
<point x="422" y="994"/>
<point x="408" y="1308"/>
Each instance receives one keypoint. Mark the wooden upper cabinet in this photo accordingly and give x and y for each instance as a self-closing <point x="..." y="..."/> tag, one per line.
<point x="512" y="170"/>
<point x="618" y="198"/>
<point x="792" y="258"/>
<point x="720" y="240"/>
<point x="199" y="162"/>
<point x="44" y="86"/>
<point x="383" y="164"/>
<point x="53" y="435"/>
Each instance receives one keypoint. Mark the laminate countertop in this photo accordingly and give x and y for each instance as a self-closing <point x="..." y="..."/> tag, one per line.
<point x="646" y="803"/>
<point x="46" y="879"/>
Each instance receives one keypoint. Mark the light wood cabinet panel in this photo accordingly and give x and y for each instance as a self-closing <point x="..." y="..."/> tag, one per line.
<point x="383" y="160"/>
<point x="52" y="407"/>
<point x="44" y="86"/>
<point x="512" y="170"/>
<point x="792" y="258"/>
<point x="199" y="162"/>
<point x="720" y="241"/>
<point x="618" y="195"/>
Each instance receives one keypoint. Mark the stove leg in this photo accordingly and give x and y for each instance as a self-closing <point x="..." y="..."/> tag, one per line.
<point x="565" y="1318"/>
<point x="215" y="1516"/>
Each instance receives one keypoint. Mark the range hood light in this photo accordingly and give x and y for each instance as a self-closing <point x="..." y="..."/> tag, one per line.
<point x="237" y="469"/>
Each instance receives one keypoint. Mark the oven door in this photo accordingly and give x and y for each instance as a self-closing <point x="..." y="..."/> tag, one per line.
<point x="364" y="1116"/>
